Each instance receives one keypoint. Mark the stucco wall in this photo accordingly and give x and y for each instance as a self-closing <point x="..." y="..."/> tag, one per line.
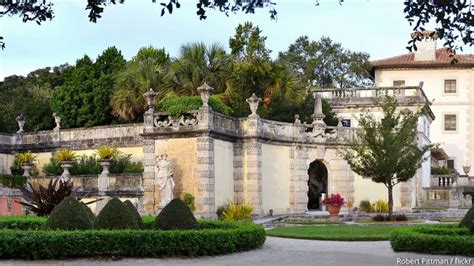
<point x="458" y="144"/>
<point x="182" y="153"/>
<point x="224" y="172"/>
<point x="366" y="189"/>
<point x="275" y="178"/>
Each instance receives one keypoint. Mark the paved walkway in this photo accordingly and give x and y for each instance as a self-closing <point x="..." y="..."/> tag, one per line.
<point x="281" y="251"/>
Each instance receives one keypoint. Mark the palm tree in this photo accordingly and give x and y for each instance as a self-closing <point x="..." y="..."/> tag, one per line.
<point x="196" y="64"/>
<point x="146" y="70"/>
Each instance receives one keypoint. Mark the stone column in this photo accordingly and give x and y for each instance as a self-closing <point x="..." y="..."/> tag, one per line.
<point x="205" y="197"/>
<point x="252" y="175"/>
<point x="252" y="158"/>
<point x="147" y="202"/>
<point x="239" y="196"/>
<point x="340" y="178"/>
<point x="299" y="179"/>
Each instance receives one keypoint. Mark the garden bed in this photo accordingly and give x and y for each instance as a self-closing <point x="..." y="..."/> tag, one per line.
<point x="439" y="239"/>
<point x="24" y="238"/>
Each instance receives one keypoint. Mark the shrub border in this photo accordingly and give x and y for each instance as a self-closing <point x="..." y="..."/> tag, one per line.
<point x="445" y="240"/>
<point x="214" y="238"/>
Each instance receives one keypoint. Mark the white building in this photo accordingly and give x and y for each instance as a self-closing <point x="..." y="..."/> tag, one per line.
<point x="449" y="84"/>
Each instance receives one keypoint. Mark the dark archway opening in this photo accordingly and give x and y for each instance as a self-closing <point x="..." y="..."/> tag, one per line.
<point x="317" y="184"/>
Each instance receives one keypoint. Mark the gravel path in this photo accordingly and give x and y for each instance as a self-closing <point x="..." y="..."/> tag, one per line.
<point x="281" y="251"/>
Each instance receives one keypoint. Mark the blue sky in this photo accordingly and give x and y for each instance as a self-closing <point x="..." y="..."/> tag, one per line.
<point x="375" y="27"/>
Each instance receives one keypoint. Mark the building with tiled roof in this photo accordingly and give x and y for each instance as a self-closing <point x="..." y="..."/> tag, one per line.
<point x="449" y="82"/>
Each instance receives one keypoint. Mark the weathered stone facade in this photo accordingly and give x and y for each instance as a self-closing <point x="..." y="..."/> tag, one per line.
<point x="189" y="141"/>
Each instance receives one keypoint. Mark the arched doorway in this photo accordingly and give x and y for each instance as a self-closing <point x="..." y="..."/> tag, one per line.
<point x="317" y="184"/>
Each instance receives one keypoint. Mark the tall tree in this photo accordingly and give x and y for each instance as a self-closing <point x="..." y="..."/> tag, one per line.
<point x="251" y="67"/>
<point x="325" y="64"/>
<point x="31" y="96"/>
<point x="107" y="66"/>
<point x="83" y="99"/>
<point x="196" y="64"/>
<point x="146" y="70"/>
<point x="454" y="19"/>
<point x="386" y="150"/>
<point x="71" y="100"/>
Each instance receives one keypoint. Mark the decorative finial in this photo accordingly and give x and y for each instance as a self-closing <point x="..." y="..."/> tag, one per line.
<point x="253" y="102"/>
<point x="150" y="96"/>
<point x="21" y="123"/>
<point x="297" y="119"/>
<point x="205" y="91"/>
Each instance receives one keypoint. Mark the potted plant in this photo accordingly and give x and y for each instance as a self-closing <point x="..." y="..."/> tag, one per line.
<point x="106" y="154"/>
<point x="334" y="204"/>
<point x="66" y="158"/>
<point x="26" y="161"/>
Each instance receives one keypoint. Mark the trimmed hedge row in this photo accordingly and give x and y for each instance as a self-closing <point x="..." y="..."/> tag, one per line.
<point x="445" y="239"/>
<point x="213" y="238"/>
<point x="22" y="222"/>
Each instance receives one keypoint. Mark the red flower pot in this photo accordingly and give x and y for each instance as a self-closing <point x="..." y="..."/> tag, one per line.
<point x="334" y="210"/>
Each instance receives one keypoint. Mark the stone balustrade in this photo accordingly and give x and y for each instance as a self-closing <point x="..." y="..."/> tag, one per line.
<point x="406" y="95"/>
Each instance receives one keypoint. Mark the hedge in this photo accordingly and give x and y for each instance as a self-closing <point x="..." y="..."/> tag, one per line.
<point x="213" y="238"/>
<point x="22" y="222"/>
<point x="445" y="239"/>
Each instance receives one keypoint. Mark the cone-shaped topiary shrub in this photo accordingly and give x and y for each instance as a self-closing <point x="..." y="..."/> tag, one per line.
<point x="176" y="216"/>
<point x="135" y="214"/>
<point x="69" y="214"/>
<point x="115" y="215"/>
<point x="88" y="211"/>
<point x="468" y="218"/>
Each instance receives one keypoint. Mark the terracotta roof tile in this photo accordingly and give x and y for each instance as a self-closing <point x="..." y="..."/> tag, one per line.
<point x="443" y="59"/>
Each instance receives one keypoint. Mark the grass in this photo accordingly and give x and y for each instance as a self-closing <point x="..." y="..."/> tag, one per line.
<point x="312" y="222"/>
<point x="338" y="233"/>
<point x="370" y="221"/>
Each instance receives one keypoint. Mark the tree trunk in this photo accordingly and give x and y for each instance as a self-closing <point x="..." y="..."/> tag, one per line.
<point x="390" y="201"/>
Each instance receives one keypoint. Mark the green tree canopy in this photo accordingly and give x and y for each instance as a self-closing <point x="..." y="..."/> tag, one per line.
<point x="83" y="99"/>
<point x="31" y="96"/>
<point x="148" y="69"/>
<point x="196" y="64"/>
<point x="386" y="150"/>
<point x="326" y="64"/>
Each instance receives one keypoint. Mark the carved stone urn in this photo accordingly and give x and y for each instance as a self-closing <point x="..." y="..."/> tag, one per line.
<point x="205" y="91"/>
<point x="253" y="102"/>
<point x="26" y="169"/>
<point x="66" y="165"/>
<point x="104" y="176"/>
<point x="150" y="97"/>
<point x="105" y="166"/>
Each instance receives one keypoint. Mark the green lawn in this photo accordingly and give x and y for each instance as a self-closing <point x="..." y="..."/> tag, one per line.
<point x="340" y="233"/>
<point x="312" y="222"/>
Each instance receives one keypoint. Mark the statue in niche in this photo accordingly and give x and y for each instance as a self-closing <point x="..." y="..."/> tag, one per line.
<point x="164" y="179"/>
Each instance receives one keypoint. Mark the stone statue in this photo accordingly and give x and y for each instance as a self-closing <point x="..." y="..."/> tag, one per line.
<point x="57" y="120"/>
<point x="164" y="179"/>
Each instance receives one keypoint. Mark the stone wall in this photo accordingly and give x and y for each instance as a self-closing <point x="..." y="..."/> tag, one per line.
<point x="217" y="158"/>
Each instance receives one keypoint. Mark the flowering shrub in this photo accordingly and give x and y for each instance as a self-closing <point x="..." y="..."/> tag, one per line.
<point x="334" y="199"/>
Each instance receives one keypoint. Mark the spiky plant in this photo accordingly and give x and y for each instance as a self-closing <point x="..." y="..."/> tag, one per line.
<point x="107" y="153"/>
<point x="26" y="157"/>
<point x="65" y="155"/>
<point x="42" y="200"/>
